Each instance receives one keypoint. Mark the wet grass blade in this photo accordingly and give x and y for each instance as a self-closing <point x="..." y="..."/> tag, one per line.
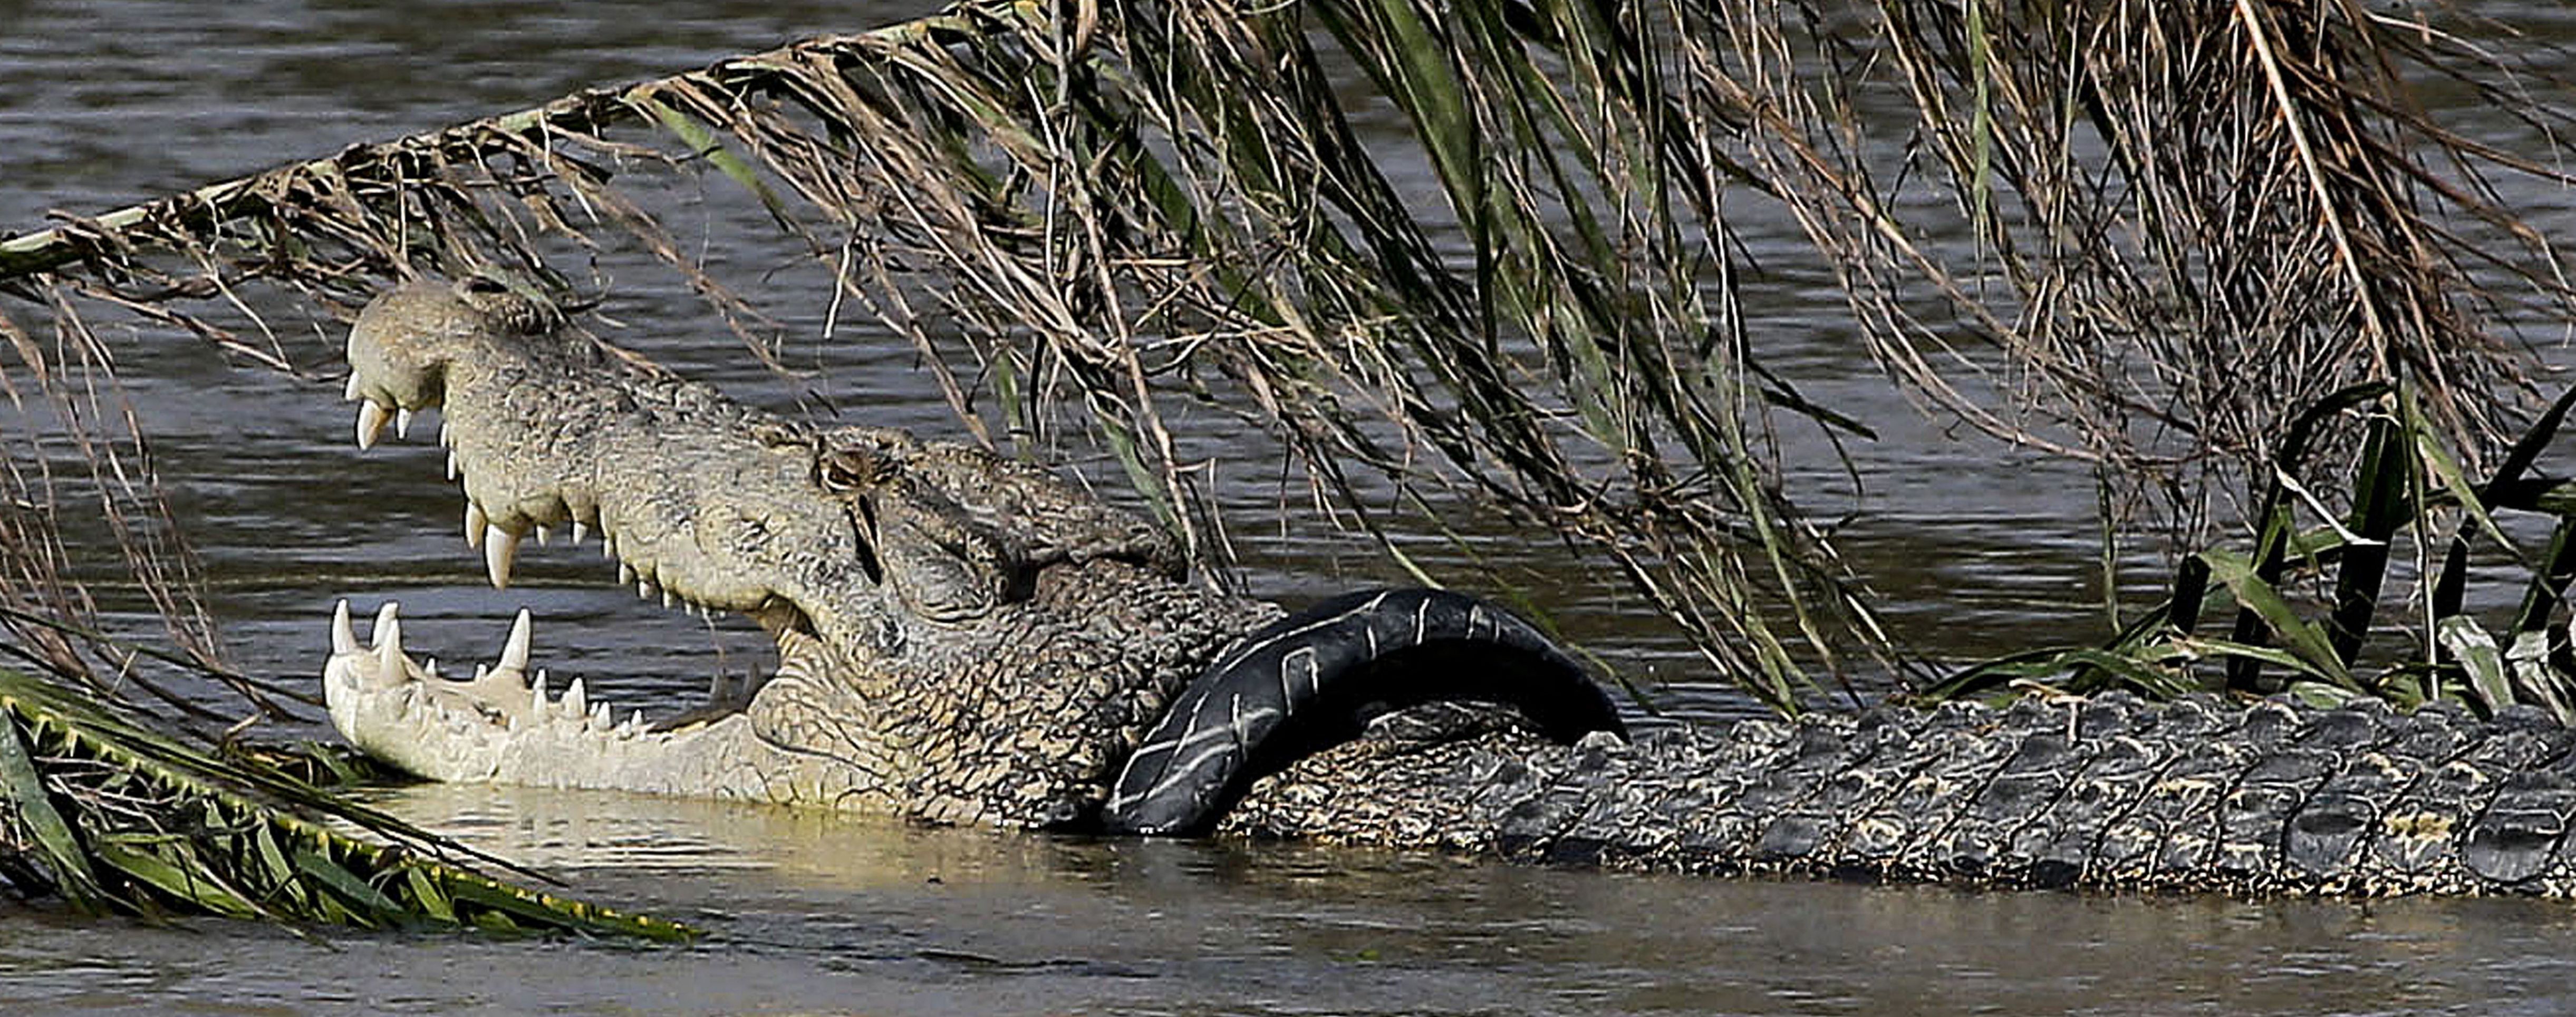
<point x="2384" y="502"/>
<point x="44" y="826"/>
<point x="706" y="144"/>
<point x="178" y="874"/>
<point x="2490" y="689"/>
<point x="2313" y="650"/>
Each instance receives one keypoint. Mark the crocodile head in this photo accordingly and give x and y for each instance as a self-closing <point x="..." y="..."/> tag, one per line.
<point x="961" y="638"/>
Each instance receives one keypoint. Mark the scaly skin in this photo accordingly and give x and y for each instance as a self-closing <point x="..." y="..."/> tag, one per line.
<point x="962" y="639"/>
<point x="965" y="639"/>
<point x="2107" y="794"/>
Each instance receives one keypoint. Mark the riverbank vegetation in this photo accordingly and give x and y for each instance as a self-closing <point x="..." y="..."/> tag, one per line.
<point x="2215" y="251"/>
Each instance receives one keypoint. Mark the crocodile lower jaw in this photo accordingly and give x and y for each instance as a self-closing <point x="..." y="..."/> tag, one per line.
<point x="504" y="723"/>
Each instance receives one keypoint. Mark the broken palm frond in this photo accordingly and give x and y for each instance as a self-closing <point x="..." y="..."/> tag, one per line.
<point x="2405" y="483"/>
<point x="2174" y="227"/>
<point x="110" y="815"/>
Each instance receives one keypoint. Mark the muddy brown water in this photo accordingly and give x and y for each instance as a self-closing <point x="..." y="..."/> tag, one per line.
<point x="1981" y="551"/>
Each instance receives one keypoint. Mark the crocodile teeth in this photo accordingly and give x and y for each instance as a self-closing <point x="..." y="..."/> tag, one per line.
<point x="579" y="532"/>
<point x="644" y="588"/>
<point x="625" y="573"/>
<point x="344" y="639"/>
<point x="542" y="536"/>
<point x="500" y="551"/>
<point x="451" y="464"/>
<point x="402" y="422"/>
<point x="475" y="523"/>
<point x="667" y="600"/>
<point x="537" y="697"/>
<point x="371" y="423"/>
<point x="350" y="394"/>
<point x="514" y="650"/>
<point x="388" y="635"/>
<point x="576" y="703"/>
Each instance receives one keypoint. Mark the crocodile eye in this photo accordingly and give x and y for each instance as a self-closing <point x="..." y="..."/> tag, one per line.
<point x="844" y="472"/>
<point x="479" y="284"/>
<point x="848" y="470"/>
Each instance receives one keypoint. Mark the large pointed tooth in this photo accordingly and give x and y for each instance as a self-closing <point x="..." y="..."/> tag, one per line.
<point x="600" y="720"/>
<point x="451" y="464"/>
<point x="667" y="600"/>
<point x="371" y="423"/>
<point x="579" y="532"/>
<point x="625" y="573"/>
<point x="344" y="639"/>
<point x="537" y="696"/>
<point x="576" y="702"/>
<point x="350" y="394"/>
<point x="388" y="636"/>
<point x="644" y="589"/>
<point x="500" y="551"/>
<point x="402" y="422"/>
<point x="514" y="651"/>
<point x="607" y="541"/>
<point x="543" y="536"/>
<point x="475" y="523"/>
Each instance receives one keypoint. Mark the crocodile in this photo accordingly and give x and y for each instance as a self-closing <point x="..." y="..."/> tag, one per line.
<point x="966" y="638"/>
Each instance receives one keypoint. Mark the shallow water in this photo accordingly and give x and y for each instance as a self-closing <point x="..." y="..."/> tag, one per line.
<point x="816" y="914"/>
<point x="1979" y="551"/>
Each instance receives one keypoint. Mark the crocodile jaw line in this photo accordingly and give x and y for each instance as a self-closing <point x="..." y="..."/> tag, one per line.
<point x="398" y="709"/>
<point x="559" y="440"/>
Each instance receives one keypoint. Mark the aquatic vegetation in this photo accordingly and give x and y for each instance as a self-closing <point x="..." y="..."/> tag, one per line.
<point x="2408" y="489"/>
<point x="102" y="809"/>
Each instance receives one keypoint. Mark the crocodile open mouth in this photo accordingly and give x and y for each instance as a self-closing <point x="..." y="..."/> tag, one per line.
<point x="549" y="434"/>
<point x="961" y="637"/>
<point x="440" y="726"/>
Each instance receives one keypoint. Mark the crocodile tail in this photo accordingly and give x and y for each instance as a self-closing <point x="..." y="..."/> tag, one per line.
<point x="1316" y="679"/>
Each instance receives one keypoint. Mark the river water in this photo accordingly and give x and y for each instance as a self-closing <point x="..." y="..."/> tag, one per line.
<point x="1980" y="552"/>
